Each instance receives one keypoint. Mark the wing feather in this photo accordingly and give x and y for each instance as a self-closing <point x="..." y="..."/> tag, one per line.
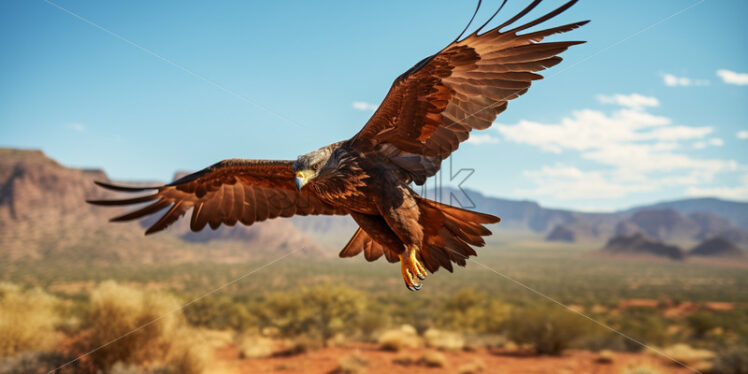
<point x="433" y="106"/>
<point x="228" y="192"/>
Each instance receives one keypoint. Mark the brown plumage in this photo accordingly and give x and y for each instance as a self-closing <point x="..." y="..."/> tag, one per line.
<point x="428" y="112"/>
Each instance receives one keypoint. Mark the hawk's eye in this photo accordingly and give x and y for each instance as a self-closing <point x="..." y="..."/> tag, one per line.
<point x="315" y="167"/>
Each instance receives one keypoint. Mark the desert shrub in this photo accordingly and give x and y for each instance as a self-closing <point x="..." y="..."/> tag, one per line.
<point x="642" y="369"/>
<point x="732" y="361"/>
<point x="352" y="364"/>
<point x="36" y="362"/>
<point x="644" y="325"/>
<point x="445" y="340"/>
<point x="549" y="330"/>
<point x="471" y="311"/>
<point x="605" y="357"/>
<point x="396" y="339"/>
<point x="404" y="359"/>
<point x="220" y="313"/>
<point x="473" y="367"/>
<point x="701" y="323"/>
<point x="433" y="359"/>
<point x="27" y="320"/>
<point x="699" y="359"/>
<point x="321" y="311"/>
<point x="139" y="328"/>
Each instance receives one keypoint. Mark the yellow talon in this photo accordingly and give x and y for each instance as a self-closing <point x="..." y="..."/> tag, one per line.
<point x="410" y="267"/>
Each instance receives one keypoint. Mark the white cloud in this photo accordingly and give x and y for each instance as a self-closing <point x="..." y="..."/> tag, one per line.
<point x="478" y="139"/>
<point x="634" y="101"/>
<point x="714" y="142"/>
<point x="731" y="77"/>
<point x="674" y="81"/>
<point x="742" y="134"/>
<point x="738" y="193"/>
<point x="568" y="182"/>
<point x="77" y="127"/>
<point x="362" y="105"/>
<point x="632" y="150"/>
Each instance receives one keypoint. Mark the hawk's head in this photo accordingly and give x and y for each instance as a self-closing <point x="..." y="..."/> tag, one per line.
<point x="316" y="163"/>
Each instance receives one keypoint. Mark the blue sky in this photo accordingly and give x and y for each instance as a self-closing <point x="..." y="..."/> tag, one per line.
<point x="651" y="108"/>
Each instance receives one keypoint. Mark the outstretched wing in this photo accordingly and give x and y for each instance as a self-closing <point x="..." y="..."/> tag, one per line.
<point x="228" y="192"/>
<point x="432" y="107"/>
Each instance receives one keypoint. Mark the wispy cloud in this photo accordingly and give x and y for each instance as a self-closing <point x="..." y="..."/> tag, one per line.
<point x="739" y="192"/>
<point x="568" y="182"/>
<point x="731" y="77"/>
<point x="671" y="80"/>
<point x="478" y="139"/>
<point x="742" y="134"/>
<point x="714" y="142"/>
<point x="77" y="127"/>
<point x="363" y="105"/>
<point x="631" y="150"/>
<point x="634" y="101"/>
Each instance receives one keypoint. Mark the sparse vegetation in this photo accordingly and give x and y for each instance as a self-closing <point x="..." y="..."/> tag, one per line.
<point x="549" y="330"/>
<point x="288" y="319"/>
<point x="27" y="320"/>
<point x="732" y="361"/>
<point x="433" y="359"/>
<point x="354" y="363"/>
<point x="320" y="311"/>
<point x="138" y="328"/>
<point x="396" y="339"/>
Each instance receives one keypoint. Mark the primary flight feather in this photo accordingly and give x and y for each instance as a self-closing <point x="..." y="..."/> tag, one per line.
<point x="428" y="112"/>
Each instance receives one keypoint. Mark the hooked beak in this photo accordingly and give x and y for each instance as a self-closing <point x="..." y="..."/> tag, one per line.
<point x="301" y="179"/>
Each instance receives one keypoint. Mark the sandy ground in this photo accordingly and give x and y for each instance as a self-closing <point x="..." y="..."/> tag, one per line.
<point x="492" y="361"/>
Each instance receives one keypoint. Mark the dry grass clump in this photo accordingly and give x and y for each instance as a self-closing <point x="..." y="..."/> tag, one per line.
<point x="255" y="346"/>
<point x="699" y="359"/>
<point x="444" y="340"/>
<point x="433" y="359"/>
<point x="354" y="363"/>
<point x="27" y="320"/>
<point x="642" y="369"/>
<point x="404" y="359"/>
<point x="605" y="356"/>
<point x="146" y="329"/>
<point x="474" y="367"/>
<point x="396" y="339"/>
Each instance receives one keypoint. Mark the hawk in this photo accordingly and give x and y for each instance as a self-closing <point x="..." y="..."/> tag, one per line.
<point x="429" y="110"/>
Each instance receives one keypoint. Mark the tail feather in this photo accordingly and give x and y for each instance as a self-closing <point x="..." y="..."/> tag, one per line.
<point x="448" y="233"/>
<point x="362" y="242"/>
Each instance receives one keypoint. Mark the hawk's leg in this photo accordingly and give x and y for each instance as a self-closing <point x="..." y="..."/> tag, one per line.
<point x="412" y="268"/>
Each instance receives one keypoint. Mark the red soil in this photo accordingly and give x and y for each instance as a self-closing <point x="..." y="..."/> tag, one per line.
<point x="493" y="361"/>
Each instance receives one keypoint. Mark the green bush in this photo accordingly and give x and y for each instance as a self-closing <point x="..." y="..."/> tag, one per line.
<point x="27" y="320"/>
<point x="701" y="323"/>
<point x="644" y="325"/>
<point x="549" y="330"/>
<point x="220" y="313"/>
<point x="471" y="311"/>
<point x="319" y="312"/>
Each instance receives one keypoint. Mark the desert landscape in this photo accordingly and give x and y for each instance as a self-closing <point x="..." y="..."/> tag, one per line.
<point x="81" y="295"/>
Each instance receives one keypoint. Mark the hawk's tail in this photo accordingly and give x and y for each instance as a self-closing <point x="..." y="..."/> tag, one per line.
<point x="449" y="232"/>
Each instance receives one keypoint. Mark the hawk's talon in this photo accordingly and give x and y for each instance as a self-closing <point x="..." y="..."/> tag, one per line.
<point x="411" y="268"/>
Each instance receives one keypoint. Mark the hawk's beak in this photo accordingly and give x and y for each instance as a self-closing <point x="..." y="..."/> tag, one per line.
<point x="301" y="179"/>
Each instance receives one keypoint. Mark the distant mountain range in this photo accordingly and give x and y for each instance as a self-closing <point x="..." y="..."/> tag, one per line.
<point x="43" y="215"/>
